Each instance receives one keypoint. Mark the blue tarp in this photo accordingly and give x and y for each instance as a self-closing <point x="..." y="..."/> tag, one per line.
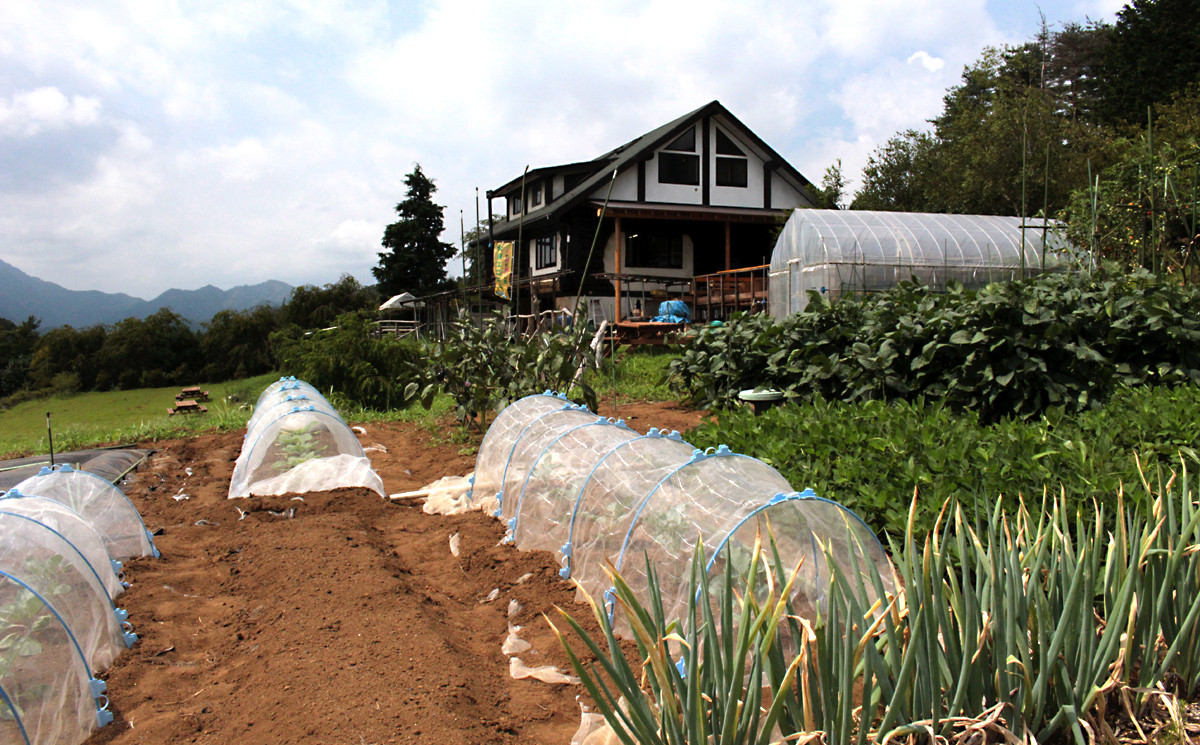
<point x="672" y="311"/>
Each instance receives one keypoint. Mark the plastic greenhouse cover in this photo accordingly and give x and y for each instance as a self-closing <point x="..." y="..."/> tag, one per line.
<point x="103" y="505"/>
<point x="528" y="446"/>
<point x="49" y="566"/>
<point x="76" y="530"/>
<point x="829" y="251"/>
<point x="609" y="497"/>
<point x="548" y="495"/>
<point x="43" y="676"/>
<point x="502" y="435"/>
<point x="301" y="449"/>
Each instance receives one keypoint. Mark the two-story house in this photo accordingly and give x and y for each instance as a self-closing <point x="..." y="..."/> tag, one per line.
<point x="698" y="195"/>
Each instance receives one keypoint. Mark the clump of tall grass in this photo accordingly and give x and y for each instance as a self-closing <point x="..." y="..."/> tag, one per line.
<point x="1026" y="625"/>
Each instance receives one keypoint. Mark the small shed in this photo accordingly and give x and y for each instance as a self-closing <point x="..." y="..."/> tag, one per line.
<point x="838" y="252"/>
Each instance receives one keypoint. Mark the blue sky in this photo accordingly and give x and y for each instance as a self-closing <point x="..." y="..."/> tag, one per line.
<point x="152" y="144"/>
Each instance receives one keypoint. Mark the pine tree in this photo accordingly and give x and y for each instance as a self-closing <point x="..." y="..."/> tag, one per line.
<point x="415" y="257"/>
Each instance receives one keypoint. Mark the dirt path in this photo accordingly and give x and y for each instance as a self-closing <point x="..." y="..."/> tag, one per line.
<point x="348" y="622"/>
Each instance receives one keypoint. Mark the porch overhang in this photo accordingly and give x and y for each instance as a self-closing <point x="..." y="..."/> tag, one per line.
<point x="642" y="210"/>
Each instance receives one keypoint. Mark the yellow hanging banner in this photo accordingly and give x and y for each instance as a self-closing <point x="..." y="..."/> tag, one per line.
<point x="502" y="260"/>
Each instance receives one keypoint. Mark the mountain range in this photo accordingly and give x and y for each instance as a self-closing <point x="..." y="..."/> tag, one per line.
<point x="22" y="295"/>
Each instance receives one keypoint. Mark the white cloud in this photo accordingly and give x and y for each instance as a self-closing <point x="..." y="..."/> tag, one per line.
<point x="30" y="113"/>
<point x="932" y="64"/>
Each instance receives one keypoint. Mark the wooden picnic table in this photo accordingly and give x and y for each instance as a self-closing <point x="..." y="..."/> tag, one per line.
<point x="192" y="393"/>
<point x="187" y="406"/>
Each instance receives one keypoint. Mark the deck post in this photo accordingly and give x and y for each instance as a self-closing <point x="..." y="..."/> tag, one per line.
<point x="620" y="242"/>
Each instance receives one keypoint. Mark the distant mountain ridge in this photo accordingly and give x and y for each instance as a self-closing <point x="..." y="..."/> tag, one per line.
<point x="22" y="295"/>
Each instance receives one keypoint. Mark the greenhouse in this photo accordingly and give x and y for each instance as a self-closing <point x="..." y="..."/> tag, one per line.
<point x="597" y="493"/>
<point x="843" y="252"/>
<point x="297" y="442"/>
<point x="102" y="505"/>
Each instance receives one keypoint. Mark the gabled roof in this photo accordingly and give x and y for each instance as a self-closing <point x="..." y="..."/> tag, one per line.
<point x="627" y="155"/>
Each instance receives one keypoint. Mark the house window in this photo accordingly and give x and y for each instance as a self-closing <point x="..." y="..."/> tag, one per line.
<point x="545" y="253"/>
<point x="535" y="197"/>
<point x="515" y="203"/>
<point x="654" y="251"/>
<point x="678" y="163"/>
<point x="731" y="162"/>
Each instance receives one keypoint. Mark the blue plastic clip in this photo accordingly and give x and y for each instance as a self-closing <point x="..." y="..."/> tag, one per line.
<point x="103" y="715"/>
<point x="610" y="602"/>
<point x="98" y="686"/>
<point x="121" y="614"/>
<point x="130" y="638"/>
<point x="116" y="566"/>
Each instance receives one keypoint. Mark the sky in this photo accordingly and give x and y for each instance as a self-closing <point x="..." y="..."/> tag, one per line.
<point x="156" y="144"/>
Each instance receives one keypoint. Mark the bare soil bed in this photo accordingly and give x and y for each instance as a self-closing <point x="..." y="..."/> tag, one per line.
<point x="346" y="621"/>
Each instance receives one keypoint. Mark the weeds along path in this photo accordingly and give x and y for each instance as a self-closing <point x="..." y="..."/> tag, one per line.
<point x="348" y="622"/>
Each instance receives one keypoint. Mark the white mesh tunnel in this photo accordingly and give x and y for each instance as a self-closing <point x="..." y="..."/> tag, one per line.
<point x="102" y="504"/>
<point x="704" y="499"/>
<point x="46" y="686"/>
<point x="548" y="494"/>
<point x="609" y="498"/>
<point x="528" y="447"/>
<point x="75" y="529"/>
<point x="54" y="569"/>
<point x="296" y="442"/>
<point x="285" y="386"/>
<point x="600" y="493"/>
<point x="502" y="435"/>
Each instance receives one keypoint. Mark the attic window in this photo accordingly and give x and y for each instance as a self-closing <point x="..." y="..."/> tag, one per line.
<point x="678" y="163"/>
<point x="731" y="162"/>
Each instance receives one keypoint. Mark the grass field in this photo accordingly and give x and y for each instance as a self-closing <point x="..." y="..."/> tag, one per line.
<point x="119" y="417"/>
<point x="122" y="417"/>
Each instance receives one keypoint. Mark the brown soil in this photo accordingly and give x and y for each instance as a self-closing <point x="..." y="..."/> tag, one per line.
<point x="349" y="621"/>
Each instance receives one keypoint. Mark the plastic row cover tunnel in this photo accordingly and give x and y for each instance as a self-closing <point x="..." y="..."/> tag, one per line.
<point x="596" y="491"/>
<point x="60" y="574"/>
<point x="296" y="442"/>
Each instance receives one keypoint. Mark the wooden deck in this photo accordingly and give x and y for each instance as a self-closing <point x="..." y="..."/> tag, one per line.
<point x="717" y="296"/>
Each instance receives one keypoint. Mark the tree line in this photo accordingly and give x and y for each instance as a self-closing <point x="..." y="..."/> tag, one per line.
<point x="163" y="349"/>
<point x="1095" y="124"/>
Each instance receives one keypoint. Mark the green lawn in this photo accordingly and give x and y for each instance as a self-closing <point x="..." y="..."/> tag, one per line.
<point x="123" y="417"/>
<point x="118" y="417"/>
